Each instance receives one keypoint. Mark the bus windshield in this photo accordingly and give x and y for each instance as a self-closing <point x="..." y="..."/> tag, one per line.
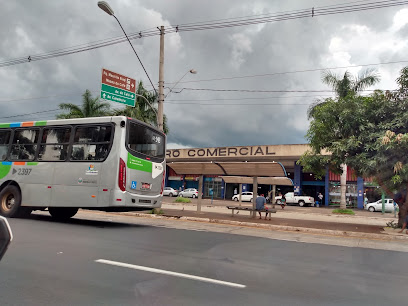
<point x="144" y="140"/>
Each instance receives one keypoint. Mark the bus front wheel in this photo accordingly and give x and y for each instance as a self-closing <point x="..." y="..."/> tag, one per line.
<point x="10" y="203"/>
<point x="62" y="213"/>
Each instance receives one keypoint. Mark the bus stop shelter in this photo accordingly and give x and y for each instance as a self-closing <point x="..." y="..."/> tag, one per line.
<point x="271" y="173"/>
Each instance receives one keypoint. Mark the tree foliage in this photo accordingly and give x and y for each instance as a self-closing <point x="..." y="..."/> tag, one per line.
<point x="346" y="86"/>
<point x="91" y="107"/>
<point x="349" y="84"/>
<point x="370" y="134"/>
<point x="142" y="110"/>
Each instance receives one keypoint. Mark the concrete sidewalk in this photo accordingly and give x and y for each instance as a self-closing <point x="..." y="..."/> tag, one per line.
<point x="294" y="213"/>
<point x="314" y="220"/>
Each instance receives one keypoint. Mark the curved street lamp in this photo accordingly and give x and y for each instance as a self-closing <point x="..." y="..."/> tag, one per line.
<point x="192" y="71"/>
<point x="103" y="5"/>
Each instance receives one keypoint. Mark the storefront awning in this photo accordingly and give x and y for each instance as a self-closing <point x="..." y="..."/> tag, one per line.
<point x="268" y="169"/>
<point x="281" y="181"/>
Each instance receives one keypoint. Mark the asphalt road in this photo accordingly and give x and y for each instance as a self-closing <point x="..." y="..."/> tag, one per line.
<point x="53" y="263"/>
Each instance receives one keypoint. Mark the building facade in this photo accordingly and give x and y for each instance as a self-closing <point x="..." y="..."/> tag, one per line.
<point x="358" y="189"/>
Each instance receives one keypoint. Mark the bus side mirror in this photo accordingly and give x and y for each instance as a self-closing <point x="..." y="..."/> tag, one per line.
<point x="6" y="236"/>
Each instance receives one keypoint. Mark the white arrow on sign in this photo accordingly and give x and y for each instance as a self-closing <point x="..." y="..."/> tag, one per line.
<point x="104" y="95"/>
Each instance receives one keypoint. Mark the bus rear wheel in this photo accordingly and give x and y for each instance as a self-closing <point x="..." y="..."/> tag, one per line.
<point x="10" y="203"/>
<point x="62" y="213"/>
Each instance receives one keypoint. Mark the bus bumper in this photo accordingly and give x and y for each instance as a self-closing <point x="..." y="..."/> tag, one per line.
<point x="136" y="201"/>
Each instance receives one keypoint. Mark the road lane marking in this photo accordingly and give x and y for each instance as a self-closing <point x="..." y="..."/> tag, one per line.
<point x="171" y="273"/>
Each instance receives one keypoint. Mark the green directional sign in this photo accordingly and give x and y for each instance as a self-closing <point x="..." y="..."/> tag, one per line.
<point x="118" y="88"/>
<point x="117" y="95"/>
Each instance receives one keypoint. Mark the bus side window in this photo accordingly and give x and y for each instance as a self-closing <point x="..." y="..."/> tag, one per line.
<point x="91" y="142"/>
<point x="24" y="145"/>
<point x="4" y="143"/>
<point x="54" y="144"/>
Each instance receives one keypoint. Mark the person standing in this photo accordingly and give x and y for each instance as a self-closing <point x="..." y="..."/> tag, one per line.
<point x="320" y="197"/>
<point x="260" y="205"/>
<point x="282" y="200"/>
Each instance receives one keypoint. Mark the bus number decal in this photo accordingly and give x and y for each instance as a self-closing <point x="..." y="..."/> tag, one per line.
<point x="24" y="171"/>
<point x="156" y="139"/>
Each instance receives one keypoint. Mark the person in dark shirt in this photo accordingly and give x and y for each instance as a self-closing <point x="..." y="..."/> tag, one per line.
<point x="260" y="205"/>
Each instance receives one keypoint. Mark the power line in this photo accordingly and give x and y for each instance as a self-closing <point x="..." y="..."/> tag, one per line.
<point x="40" y="112"/>
<point x="291" y="72"/>
<point x="259" y="90"/>
<point x="249" y="98"/>
<point x="311" y="12"/>
<point x="37" y="98"/>
<point x="243" y="104"/>
<point x="223" y="23"/>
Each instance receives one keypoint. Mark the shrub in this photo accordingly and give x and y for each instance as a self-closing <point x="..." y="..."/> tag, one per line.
<point x="392" y="224"/>
<point x="343" y="211"/>
<point x="156" y="211"/>
<point x="182" y="200"/>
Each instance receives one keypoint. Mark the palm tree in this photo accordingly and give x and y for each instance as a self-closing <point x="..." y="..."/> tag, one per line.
<point x="347" y="85"/>
<point x="143" y="111"/>
<point x="91" y="107"/>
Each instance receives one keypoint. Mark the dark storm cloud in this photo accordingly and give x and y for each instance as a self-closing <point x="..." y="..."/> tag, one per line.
<point x="33" y="27"/>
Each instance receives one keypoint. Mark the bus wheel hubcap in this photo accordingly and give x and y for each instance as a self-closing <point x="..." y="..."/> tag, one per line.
<point x="8" y="201"/>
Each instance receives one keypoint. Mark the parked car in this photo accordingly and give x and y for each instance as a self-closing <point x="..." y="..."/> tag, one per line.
<point x="292" y="199"/>
<point x="171" y="192"/>
<point x="377" y="206"/>
<point x="245" y="197"/>
<point x="189" y="193"/>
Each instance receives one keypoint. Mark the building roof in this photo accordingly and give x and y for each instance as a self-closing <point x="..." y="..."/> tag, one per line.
<point x="282" y="181"/>
<point x="267" y="169"/>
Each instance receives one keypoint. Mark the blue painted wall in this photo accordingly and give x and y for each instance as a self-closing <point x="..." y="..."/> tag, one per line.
<point x="297" y="181"/>
<point x="326" y="187"/>
<point x="360" y="193"/>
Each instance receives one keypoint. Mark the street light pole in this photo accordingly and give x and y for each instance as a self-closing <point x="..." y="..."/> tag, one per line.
<point x="103" y="5"/>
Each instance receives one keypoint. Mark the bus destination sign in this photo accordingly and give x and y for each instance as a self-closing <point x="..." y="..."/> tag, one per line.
<point x="118" y="88"/>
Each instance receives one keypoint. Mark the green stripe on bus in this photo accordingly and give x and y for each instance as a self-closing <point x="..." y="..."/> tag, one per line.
<point x="4" y="125"/>
<point x="40" y="123"/>
<point x="4" y="170"/>
<point x="32" y="163"/>
<point x="139" y="164"/>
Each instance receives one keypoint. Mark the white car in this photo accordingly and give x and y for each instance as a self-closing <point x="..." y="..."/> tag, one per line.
<point x="189" y="193"/>
<point x="171" y="192"/>
<point x="377" y="206"/>
<point x="291" y="198"/>
<point x="245" y="197"/>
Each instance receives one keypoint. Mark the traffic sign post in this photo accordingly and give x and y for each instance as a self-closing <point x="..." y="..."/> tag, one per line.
<point x="118" y="88"/>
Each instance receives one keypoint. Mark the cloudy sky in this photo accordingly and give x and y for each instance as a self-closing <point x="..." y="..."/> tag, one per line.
<point x="246" y="59"/>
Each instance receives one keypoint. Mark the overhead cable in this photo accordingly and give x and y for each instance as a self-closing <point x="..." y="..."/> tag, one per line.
<point x="223" y="23"/>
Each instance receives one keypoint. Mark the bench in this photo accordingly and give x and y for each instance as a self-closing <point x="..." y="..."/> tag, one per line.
<point x="251" y="210"/>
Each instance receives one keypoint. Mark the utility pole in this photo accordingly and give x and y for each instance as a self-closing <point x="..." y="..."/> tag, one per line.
<point x="161" y="80"/>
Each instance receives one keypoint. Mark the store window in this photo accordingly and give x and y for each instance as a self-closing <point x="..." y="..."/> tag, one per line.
<point x="216" y="185"/>
<point x="351" y="194"/>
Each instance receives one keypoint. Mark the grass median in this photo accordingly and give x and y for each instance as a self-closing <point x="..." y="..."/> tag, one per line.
<point x="182" y="200"/>
<point x="343" y="211"/>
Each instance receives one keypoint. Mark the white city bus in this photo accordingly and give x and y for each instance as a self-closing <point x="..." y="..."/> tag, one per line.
<point x="102" y="163"/>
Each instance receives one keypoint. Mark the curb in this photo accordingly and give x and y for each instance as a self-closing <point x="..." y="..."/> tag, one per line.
<point x="339" y="216"/>
<point x="274" y="227"/>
